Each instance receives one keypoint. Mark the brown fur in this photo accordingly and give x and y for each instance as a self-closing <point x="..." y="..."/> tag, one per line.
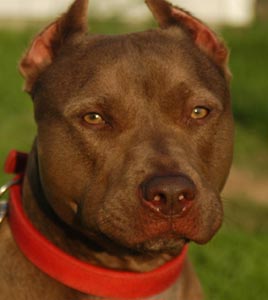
<point x="82" y="184"/>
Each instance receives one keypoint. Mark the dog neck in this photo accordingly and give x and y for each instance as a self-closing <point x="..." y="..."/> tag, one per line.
<point x="73" y="242"/>
<point x="73" y="273"/>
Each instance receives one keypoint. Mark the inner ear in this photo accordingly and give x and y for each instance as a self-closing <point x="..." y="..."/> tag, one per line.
<point x="168" y="15"/>
<point x="40" y="52"/>
<point x="47" y="44"/>
<point x="38" y="57"/>
<point x="203" y="36"/>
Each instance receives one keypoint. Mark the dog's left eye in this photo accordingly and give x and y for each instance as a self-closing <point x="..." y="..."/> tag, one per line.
<point x="199" y="112"/>
<point x="94" y="118"/>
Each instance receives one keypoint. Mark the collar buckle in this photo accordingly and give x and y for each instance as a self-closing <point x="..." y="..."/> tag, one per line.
<point x="4" y="202"/>
<point x="15" y="164"/>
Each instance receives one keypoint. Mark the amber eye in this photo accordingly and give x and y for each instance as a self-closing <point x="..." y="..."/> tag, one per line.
<point x="199" y="112"/>
<point x="93" y="118"/>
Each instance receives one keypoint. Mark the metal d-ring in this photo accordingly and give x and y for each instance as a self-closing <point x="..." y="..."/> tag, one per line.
<point x="3" y="202"/>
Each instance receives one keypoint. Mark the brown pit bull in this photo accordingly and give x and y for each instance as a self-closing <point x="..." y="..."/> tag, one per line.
<point x="134" y="145"/>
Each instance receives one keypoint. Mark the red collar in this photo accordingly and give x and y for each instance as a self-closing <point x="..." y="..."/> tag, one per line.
<point x="72" y="272"/>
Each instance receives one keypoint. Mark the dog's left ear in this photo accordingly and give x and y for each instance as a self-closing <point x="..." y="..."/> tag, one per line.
<point x="168" y="15"/>
<point x="48" y="43"/>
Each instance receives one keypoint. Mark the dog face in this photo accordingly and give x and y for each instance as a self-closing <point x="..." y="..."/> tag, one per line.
<point x="134" y="131"/>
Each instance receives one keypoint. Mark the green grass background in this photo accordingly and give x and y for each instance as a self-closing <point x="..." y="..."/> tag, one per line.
<point x="234" y="265"/>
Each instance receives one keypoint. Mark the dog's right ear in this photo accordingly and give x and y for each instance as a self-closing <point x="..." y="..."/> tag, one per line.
<point x="168" y="15"/>
<point x="47" y="44"/>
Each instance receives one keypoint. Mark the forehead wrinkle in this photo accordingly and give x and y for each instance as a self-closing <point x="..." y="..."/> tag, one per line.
<point x="76" y="104"/>
<point x="138" y="60"/>
<point x="180" y="91"/>
<point x="141" y="66"/>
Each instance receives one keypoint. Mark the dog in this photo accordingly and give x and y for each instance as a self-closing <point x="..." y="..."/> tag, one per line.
<point x="134" y="145"/>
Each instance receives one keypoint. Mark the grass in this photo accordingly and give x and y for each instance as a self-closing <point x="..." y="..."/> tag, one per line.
<point x="234" y="265"/>
<point x="249" y="63"/>
<point x="16" y="116"/>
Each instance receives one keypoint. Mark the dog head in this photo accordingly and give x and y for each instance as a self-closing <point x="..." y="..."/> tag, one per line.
<point x="134" y="131"/>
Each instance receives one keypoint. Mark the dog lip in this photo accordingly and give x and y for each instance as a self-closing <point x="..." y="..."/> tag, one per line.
<point x="153" y="207"/>
<point x="165" y="242"/>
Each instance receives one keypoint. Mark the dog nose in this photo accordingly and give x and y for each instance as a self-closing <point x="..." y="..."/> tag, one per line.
<point x="169" y="195"/>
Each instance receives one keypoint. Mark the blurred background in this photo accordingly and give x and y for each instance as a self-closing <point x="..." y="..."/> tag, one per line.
<point x="234" y="265"/>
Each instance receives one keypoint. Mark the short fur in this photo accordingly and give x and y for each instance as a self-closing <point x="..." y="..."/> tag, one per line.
<point x="82" y="188"/>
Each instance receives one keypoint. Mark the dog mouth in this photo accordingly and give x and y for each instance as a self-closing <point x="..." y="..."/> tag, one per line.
<point x="149" y="232"/>
<point x="137" y="225"/>
<point x="149" y="242"/>
<point x="169" y="243"/>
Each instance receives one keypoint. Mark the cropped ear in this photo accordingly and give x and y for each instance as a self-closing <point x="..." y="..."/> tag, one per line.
<point x="168" y="15"/>
<point x="47" y="44"/>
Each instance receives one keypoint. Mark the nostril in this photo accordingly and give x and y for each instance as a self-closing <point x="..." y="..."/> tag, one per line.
<point x="187" y="195"/>
<point x="157" y="202"/>
<point x="169" y="195"/>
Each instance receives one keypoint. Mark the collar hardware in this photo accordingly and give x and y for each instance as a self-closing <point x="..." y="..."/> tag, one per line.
<point x="4" y="202"/>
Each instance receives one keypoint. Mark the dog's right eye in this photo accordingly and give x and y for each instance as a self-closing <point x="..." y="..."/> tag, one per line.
<point x="199" y="112"/>
<point x="94" y="118"/>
